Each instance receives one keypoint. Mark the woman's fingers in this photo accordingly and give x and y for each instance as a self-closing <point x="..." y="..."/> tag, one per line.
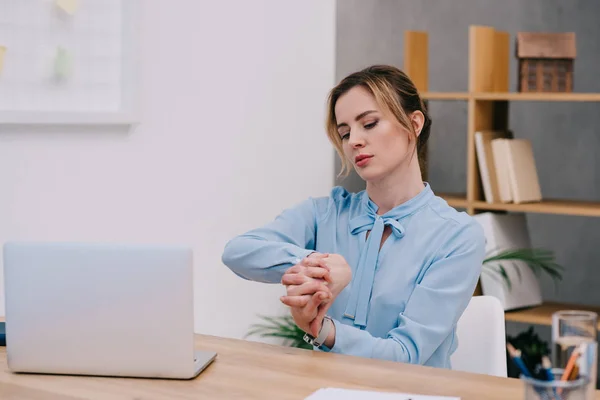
<point x="295" y="301"/>
<point x="296" y="269"/>
<point x="294" y="279"/>
<point x="318" y="255"/>
<point x="315" y="262"/>
<point x="305" y="275"/>
<point x="309" y="287"/>
<point x="315" y="325"/>
<point x="314" y="302"/>
<point x="318" y="273"/>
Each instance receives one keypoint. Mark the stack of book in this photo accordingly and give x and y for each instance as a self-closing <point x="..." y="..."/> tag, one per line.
<point x="507" y="168"/>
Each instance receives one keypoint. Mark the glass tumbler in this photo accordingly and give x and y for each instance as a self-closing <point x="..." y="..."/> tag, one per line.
<point x="555" y="389"/>
<point x="575" y="331"/>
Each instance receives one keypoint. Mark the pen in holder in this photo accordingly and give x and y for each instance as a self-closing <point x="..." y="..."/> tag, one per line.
<point x="575" y="345"/>
<point x="554" y="388"/>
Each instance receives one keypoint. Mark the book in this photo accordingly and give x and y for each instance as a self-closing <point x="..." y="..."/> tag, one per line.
<point x="500" y="154"/>
<point x="485" y="160"/>
<point x="522" y="172"/>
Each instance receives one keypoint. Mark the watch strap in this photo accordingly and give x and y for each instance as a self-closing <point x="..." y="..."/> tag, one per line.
<point x="323" y="333"/>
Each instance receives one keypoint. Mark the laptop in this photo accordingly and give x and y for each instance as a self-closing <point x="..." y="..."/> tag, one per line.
<point x="101" y="309"/>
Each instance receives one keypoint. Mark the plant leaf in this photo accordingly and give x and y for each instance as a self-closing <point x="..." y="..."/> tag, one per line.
<point x="505" y="276"/>
<point x="538" y="260"/>
<point x="281" y="327"/>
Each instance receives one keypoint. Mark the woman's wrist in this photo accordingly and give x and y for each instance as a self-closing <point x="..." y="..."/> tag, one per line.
<point x="330" y="340"/>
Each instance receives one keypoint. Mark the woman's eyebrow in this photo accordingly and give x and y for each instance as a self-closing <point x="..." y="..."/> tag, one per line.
<point x="359" y="116"/>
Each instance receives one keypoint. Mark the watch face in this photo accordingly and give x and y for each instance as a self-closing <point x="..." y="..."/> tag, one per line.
<point x="309" y="339"/>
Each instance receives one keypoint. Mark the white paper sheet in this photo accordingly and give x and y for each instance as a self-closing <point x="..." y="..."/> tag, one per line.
<point x="346" y="394"/>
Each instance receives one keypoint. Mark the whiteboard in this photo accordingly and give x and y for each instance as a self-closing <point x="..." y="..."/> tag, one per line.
<point x="68" y="61"/>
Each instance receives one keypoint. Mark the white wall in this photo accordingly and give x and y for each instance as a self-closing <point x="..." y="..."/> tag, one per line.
<point x="233" y="100"/>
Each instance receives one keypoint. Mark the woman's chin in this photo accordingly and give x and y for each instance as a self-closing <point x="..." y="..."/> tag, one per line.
<point x="369" y="174"/>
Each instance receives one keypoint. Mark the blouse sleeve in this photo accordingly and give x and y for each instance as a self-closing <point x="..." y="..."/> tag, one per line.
<point x="432" y="311"/>
<point x="265" y="253"/>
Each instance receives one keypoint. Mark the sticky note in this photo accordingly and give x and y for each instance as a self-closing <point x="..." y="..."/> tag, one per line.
<point x="62" y="63"/>
<point x="2" y="53"/>
<point x="68" y="6"/>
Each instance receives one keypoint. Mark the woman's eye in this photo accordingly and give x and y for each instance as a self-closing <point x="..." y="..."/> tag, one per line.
<point x="371" y="125"/>
<point x="345" y="136"/>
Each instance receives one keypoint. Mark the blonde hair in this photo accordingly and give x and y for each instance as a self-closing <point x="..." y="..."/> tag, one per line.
<point x="393" y="90"/>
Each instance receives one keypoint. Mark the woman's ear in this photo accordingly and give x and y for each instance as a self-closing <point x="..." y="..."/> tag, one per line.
<point x="417" y="119"/>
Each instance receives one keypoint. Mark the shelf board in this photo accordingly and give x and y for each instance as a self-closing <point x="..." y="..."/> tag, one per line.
<point x="561" y="207"/>
<point x="512" y="96"/>
<point x="565" y="207"/>
<point x="542" y="315"/>
<point x="445" y="96"/>
<point x="517" y="96"/>
<point x="454" y="200"/>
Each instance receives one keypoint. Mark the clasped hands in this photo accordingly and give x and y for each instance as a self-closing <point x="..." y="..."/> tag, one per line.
<point x="312" y="286"/>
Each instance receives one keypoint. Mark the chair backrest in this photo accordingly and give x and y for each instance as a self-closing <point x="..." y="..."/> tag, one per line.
<point x="481" y="338"/>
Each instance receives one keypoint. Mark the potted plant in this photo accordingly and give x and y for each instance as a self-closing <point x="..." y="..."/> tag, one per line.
<point x="496" y="264"/>
<point x="538" y="260"/>
<point x="283" y="328"/>
<point x="512" y="276"/>
<point x="532" y="347"/>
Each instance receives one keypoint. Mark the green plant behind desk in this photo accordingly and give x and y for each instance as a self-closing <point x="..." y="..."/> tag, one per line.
<point x="283" y="328"/>
<point x="540" y="261"/>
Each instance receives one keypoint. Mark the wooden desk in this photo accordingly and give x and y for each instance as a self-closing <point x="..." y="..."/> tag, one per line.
<point x="249" y="370"/>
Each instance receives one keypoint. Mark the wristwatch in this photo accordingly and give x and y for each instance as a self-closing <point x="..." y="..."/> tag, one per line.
<point x="323" y="333"/>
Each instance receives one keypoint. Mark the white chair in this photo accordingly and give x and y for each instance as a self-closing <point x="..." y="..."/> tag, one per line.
<point x="481" y="338"/>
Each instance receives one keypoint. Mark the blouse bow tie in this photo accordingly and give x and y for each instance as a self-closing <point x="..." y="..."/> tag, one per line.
<point x="362" y="282"/>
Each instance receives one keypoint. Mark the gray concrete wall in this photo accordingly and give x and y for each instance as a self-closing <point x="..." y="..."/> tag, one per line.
<point x="565" y="136"/>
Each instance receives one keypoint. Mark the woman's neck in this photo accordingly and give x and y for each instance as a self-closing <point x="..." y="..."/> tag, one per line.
<point x="396" y="188"/>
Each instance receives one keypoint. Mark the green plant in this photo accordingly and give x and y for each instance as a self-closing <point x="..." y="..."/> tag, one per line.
<point x="532" y="350"/>
<point x="282" y="327"/>
<point x="539" y="260"/>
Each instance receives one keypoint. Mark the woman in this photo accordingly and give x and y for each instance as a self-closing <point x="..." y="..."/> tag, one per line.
<point x="384" y="273"/>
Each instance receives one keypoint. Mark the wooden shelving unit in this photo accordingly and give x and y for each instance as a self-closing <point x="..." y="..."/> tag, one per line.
<point x="488" y="99"/>
<point x="445" y="96"/>
<point x="512" y="96"/>
<point x="542" y="315"/>
<point x="548" y="206"/>
<point x="564" y="207"/>
<point x="537" y="96"/>
<point x="455" y="200"/>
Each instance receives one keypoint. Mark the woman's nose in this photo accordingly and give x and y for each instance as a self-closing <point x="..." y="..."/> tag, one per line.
<point x="356" y="141"/>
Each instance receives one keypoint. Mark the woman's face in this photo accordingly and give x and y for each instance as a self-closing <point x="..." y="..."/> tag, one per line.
<point x="372" y="139"/>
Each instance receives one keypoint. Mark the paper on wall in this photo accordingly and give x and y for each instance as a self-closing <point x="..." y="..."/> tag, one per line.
<point x="68" y="6"/>
<point x="346" y="394"/>
<point x="62" y="64"/>
<point x="2" y="53"/>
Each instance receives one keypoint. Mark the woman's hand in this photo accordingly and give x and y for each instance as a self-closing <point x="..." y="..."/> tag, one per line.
<point x="306" y="283"/>
<point x="340" y="273"/>
<point x="309" y="318"/>
<point x="331" y="270"/>
<point x="302" y="281"/>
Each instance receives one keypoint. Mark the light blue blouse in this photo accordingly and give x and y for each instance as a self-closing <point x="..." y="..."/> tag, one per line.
<point x="405" y="299"/>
